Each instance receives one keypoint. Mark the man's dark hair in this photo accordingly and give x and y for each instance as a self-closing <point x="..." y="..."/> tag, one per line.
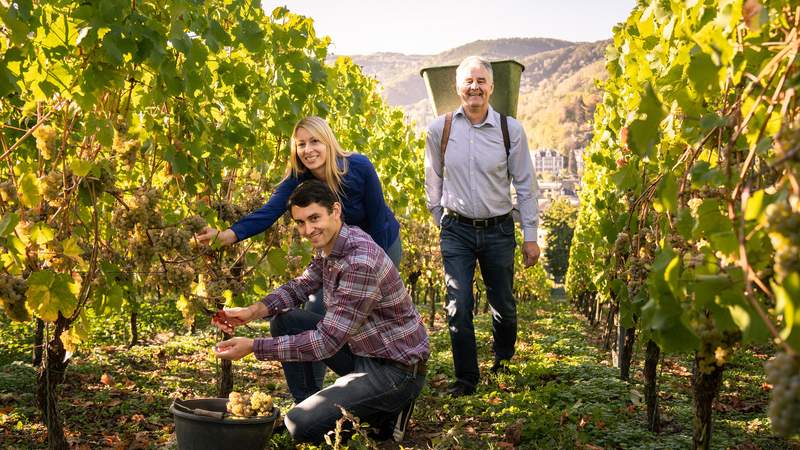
<point x="312" y="191"/>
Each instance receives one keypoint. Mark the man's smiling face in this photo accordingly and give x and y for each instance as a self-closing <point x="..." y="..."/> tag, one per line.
<point x="319" y="225"/>
<point x="475" y="86"/>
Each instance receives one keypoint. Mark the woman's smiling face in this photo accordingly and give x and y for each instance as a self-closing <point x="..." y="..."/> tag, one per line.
<point x="311" y="151"/>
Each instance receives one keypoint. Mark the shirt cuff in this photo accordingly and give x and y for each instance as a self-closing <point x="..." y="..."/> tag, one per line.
<point x="263" y="348"/>
<point x="237" y="233"/>
<point x="530" y="234"/>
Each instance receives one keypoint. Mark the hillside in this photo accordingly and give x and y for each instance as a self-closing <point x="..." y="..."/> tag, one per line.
<point x="399" y="74"/>
<point x="557" y="92"/>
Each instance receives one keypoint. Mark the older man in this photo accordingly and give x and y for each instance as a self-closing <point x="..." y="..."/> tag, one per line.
<point x="371" y="334"/>
<point x="472" y="158"/>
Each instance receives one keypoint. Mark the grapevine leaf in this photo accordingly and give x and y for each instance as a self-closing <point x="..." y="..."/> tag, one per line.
<point x="756" y="205"/>
<point x="666" y="195"/>
<point x="250" y="35"/>
<point x="8" y="223"/>
<point x="643" y="132"/>
<point x="684" y="223"/>
<point x="676" y="338"/>
<point x="787" y="294"/>
<point x="726" y="242"/>
<point x="626" y="178"/>
<point x="746" y="318"/>
<point x="77" y="333"/>
<point x="81" y="167"/>
<point x="277" y="260"/>
<point x="71" y="248"/>
<point x="702" y="72"/>
<point x="29" y="190"/>
<point x="710" y="219"/>
<point x="51" y="293"/>
<point x="105" y="133"/>
<point x="41" y="233"/>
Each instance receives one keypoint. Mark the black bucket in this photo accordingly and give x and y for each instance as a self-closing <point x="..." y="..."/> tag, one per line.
<point x="203" y="424"/>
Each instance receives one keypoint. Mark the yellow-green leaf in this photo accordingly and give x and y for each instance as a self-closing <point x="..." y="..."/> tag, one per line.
<point x="50" y="293"/>
<point x="41" y="233"/>
<point x="71" y="248"/>
<point x="80" y="167"/>
<point x="29" y="190"/>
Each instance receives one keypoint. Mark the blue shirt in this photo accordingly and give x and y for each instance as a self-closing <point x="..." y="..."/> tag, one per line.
<point x="362" y="202"/>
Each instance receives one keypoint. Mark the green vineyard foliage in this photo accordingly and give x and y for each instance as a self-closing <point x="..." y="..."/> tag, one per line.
<point x="689" y="207"/>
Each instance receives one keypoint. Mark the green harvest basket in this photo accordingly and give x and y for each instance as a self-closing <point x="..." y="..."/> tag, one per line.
<point x="440" y="82"/>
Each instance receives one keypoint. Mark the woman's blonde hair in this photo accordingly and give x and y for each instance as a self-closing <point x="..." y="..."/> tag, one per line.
<point x="336" y="158"/>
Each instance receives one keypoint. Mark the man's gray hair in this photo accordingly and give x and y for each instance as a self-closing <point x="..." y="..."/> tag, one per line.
<point x="473" y="60"/>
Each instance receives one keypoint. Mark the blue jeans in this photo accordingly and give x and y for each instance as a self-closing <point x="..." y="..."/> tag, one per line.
<point x="493" y="248"/>
<point x="306" y="378"/>
<point x="369" y="388"/>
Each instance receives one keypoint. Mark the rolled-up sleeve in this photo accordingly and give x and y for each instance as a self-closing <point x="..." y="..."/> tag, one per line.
<point x="523" y="178"/>
<point x="353" y="301"/>
<point x="434" y="175"/>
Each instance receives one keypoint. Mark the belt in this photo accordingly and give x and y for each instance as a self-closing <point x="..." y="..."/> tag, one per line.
<point x="418" y="368"/>
<point x="478" y="223"/>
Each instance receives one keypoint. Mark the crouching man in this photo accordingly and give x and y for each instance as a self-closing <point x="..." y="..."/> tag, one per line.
<point x="371" y="334"/>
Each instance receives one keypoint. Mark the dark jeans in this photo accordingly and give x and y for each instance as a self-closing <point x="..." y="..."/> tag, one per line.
<point x="493" y="248"/>
<point x="306" y="378"/>
<point x="371" y="389"/>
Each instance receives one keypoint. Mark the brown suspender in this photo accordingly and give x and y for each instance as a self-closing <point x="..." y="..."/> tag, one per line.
<point x="448" y="122"/>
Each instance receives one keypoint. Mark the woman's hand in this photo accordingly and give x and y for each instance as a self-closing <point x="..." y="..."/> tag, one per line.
<point x="234" y="348"/>
<point x="209" y="235"/>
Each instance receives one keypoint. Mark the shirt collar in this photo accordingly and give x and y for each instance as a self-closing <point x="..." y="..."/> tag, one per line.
<point x="492" y="117"/>
<point x="341" y="241"/>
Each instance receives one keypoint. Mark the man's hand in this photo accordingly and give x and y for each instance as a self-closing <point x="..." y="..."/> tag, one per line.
<point x="209" y="235"/>
<point x="228" y="319"/>
<point x="530" y="253"/>
<point x="235" y="348"/>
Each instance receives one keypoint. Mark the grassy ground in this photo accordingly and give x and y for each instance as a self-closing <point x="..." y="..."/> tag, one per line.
<point x="560" y="391"/>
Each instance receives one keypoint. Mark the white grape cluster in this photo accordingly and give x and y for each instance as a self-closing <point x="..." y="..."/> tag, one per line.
<point x="249" y="405"/>
<point x="715" y="345"/>
<point x="783" y="226"/>
<point x="227" y="212"/>
<point x="173" y="238"/>
<point x="143" y="211"/>
<point x="12" y="297"/>
<point x="195" y="224"/>
<point x="783" y="372"/>
<point x="622" y="246"/>
<point x="8" y="192"/>
<point x="45" y="141"/>
<point x="218" y="283"/>
<point x="253" y="197"/>
<point x="178" y="277"/>
<point x="126" y="149"/>
<point x="51" y="186"/>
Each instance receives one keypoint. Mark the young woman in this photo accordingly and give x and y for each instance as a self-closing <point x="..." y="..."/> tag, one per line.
<point x="315" y="153"/>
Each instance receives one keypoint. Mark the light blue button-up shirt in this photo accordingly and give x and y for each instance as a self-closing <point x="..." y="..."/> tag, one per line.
<point x="475" y="182"/>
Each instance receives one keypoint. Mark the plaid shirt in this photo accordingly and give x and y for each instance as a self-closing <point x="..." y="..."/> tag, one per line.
<point x="368" y="307"/>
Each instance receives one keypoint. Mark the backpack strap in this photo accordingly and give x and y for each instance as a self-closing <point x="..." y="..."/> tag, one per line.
<point x="506" y="137"/>
<point x="448" y="122"/>
<point x="506" y="140"/>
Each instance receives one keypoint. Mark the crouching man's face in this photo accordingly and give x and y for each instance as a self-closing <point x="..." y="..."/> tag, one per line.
<point x="318" y="224"/>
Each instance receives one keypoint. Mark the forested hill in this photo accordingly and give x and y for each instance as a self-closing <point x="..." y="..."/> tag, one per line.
<point x="557" y="96"/>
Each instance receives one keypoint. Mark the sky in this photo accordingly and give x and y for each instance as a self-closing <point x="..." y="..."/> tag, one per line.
<point x="432" y="26"/>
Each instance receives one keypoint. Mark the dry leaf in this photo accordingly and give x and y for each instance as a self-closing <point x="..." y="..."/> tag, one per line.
<point x="106" y="379"/>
